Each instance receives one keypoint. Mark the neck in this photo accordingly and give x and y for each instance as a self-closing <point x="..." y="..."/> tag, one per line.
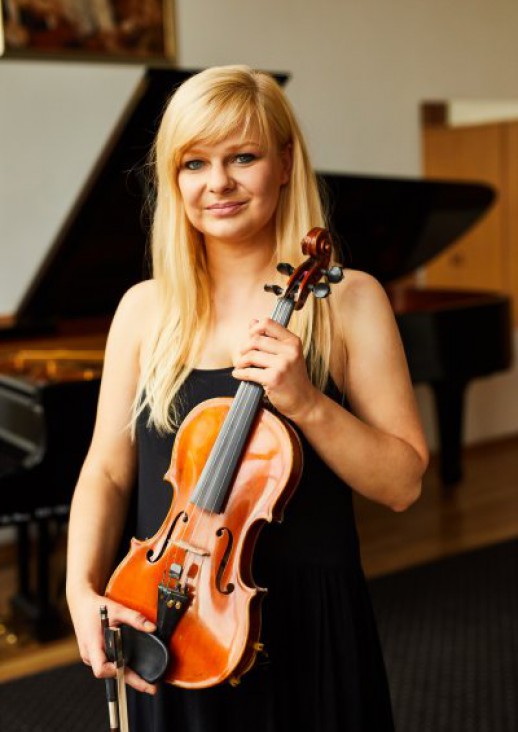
<point x="252" y="262"/>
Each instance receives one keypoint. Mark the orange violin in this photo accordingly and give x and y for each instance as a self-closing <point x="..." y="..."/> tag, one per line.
<point x="234" y="467"/>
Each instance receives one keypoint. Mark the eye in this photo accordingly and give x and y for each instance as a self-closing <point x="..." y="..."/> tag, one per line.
<point x="245" y="158"/>
<point x="193" y="164"/>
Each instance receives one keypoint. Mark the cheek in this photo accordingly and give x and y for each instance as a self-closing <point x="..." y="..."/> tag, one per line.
<point x="270" y="192"/>
<point x="188" y="194"/>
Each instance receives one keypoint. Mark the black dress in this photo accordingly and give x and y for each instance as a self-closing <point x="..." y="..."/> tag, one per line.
<point x="324" y="671"/>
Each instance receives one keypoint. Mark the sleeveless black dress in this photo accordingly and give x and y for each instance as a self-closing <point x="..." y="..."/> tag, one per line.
<point x="324" y="671"/>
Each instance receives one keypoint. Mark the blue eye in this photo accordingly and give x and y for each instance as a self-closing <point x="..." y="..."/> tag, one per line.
<point x="244" y="158"/>
<point x="193" y="164"/>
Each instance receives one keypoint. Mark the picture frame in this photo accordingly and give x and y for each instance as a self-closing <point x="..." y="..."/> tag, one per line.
<point x="134" y="31"/>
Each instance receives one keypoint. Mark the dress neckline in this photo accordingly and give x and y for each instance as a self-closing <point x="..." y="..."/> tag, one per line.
<point x="222" y="369"/>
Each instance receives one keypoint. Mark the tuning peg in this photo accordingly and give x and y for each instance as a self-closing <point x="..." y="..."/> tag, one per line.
<point x="321" y="290"/>
<point x="285" y="269"/>
<point x="274" y="288"/>
<point x="334" y="275"/>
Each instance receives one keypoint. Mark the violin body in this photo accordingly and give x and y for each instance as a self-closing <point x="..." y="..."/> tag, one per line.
<point x="217" y="637"/>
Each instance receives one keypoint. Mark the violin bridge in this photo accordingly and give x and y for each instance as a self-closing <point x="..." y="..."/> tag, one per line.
<point x="190" y="548"/>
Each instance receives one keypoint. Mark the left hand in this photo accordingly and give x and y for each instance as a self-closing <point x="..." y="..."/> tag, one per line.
<point x="273" y="357"/>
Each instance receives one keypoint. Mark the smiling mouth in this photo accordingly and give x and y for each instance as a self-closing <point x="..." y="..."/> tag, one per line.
<point x="226" y="206"/>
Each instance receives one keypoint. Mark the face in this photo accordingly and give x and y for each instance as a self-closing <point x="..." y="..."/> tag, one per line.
<point x="230" y="190"/>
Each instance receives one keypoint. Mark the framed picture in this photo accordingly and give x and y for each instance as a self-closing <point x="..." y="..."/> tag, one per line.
<point x="117" y="30"/>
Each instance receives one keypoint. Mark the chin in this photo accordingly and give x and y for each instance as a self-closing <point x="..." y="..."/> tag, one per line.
<point x="228" y="231"/>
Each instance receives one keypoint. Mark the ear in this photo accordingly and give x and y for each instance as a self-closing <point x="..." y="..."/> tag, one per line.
<point x="286" y="162"/>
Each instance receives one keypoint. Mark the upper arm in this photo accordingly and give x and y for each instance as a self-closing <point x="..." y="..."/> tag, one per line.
<point x="112" y="449"/>
<point x="375" y="374"/>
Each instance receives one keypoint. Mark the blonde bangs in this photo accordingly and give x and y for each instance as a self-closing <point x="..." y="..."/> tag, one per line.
<point x="239" y="115"/>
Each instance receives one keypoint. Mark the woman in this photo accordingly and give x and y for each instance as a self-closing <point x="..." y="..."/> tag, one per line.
<point x="235" y="195"/>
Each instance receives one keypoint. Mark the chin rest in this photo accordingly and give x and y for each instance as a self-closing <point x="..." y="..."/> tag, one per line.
<point x="143" y="652"/>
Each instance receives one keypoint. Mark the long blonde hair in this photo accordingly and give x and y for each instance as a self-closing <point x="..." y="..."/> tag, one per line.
<point x="206" y="109"/>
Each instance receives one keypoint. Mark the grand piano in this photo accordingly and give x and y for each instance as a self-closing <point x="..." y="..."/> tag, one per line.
<point x="51" y="349"/>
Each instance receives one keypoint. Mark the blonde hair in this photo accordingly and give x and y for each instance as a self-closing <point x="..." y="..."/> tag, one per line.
<point x="206" y="109"/>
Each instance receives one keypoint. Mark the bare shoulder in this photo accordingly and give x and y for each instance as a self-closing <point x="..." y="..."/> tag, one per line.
<point x="136" y="313"/>
<point x="361" y="311"/>
<point x="141" y="298"/>
<point x="358" y="291"/>
<point x="359" y="306"/>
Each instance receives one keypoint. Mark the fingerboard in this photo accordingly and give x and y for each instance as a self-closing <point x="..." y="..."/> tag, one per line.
<point x="216" y="479"/>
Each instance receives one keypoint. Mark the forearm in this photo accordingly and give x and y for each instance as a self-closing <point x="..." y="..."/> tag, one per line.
<point x="97" y="519"/>
<point x="380" y="466"/>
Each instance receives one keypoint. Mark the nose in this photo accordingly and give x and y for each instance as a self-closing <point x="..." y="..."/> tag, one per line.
<point x="220" y="179"/>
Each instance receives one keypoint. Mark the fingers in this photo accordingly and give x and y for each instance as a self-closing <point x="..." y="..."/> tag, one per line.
<point x="257" y="358"/>
<point x="252" y="374"/>
<point x="270" y="328"/>
<point x="102" y="669"/>
<point x="120" y="614"/>
<point x="270" y="337"/>
<point x="90" y="636"/>
<point x="138" y="683"/>
<point x="105" y="670"/>
<point x="263" y="343"/>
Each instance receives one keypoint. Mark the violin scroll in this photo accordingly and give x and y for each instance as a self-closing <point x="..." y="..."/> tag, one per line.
<point x="305" y="278"/>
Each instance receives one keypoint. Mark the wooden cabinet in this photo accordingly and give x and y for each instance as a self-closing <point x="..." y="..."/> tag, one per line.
<point x="511" y="236"/>
<point x="486" y="258"/>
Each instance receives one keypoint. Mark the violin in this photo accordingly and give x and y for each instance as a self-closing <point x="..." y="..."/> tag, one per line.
<point x="234" y="467"/>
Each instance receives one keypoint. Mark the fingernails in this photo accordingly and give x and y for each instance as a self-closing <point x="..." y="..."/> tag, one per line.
<point x="147" y="688"/>
<point x="148" y="625"/>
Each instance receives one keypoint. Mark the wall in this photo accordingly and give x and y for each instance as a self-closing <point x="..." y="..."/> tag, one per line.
<point x="359" y="71"/>
<point x="54" y="120"/>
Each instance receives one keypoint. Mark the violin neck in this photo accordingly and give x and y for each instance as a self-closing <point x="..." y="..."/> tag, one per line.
<point x="283" y="310"/>
<point x="217" y="476"/>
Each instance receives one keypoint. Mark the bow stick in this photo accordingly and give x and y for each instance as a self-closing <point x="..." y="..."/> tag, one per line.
<point x="115" y="688"/>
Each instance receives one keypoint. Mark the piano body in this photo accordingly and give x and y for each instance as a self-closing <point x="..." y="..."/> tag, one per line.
<point x="51" y="348"/>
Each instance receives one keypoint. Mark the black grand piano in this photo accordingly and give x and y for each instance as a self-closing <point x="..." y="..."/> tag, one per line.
<point x="51" y="348"/>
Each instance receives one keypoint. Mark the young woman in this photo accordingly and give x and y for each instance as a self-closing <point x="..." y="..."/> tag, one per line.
<point x="235" y="195"/>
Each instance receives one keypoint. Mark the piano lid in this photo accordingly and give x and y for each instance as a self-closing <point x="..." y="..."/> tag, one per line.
<point x="389" y="226"/>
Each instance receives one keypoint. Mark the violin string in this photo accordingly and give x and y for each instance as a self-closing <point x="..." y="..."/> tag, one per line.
<point x="241" y="412"/>
<point x="243" y="409"/>
<point x="225" y="436"/>
<point x="224" y="457"/>
<point x="189" y="557"/>
<point x="221" y="460"/>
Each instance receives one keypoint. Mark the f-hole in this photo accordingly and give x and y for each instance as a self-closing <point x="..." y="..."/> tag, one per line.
<point x="149" y="555"/>
<point x="224" y="561"/>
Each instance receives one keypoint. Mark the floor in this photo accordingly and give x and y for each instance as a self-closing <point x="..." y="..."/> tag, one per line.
<point x="481" y="510"/>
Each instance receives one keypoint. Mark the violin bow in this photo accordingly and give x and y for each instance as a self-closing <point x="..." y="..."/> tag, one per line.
<point x="115" y="688"/>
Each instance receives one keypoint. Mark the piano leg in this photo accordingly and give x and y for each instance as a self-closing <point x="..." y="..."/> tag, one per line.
<point x="45" y="609"/>
<point x="22" y="549"/>
<point x="449" y="404"/>
<point x="32" y="604"/>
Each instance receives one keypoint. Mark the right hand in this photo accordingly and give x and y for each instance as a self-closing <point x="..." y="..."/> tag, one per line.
<point x="84" y="610"/>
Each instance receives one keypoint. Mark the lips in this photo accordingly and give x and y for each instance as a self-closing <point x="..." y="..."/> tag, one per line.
<point x="225" y="207"/>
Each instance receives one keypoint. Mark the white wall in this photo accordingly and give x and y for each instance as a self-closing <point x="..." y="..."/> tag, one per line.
<point x="359" y="71"/>
<point x="54" y="119"/>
